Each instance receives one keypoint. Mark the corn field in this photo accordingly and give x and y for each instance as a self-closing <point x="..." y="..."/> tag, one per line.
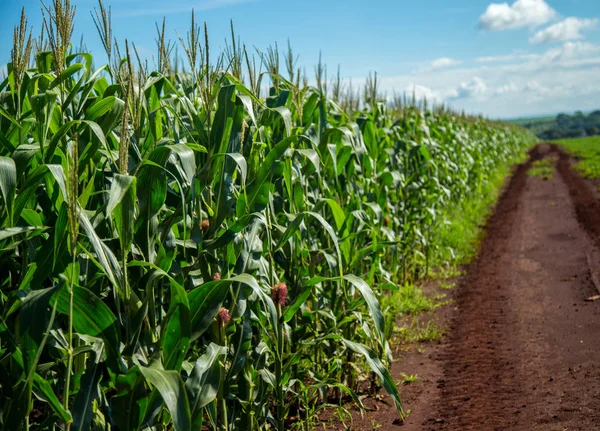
<point x="206" y="247"/>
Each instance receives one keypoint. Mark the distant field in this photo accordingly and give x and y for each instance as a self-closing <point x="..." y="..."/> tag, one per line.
<point x="588" y="151"/>
<point x="531" y="120"/>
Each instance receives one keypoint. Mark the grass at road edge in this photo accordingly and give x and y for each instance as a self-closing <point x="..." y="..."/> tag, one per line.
<point x="587" y="151"/>
<point x="458" y="237"/>
<point x="459" y="234"/>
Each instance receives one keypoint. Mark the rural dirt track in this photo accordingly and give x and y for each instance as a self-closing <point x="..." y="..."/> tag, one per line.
<point x="523" y="344"/>
<point x="524" y="347"/>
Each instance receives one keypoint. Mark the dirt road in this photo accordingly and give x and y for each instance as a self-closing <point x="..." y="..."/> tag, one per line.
<point x="523" y="344"/>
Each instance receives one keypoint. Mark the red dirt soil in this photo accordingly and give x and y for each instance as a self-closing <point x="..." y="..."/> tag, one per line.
<point x="523" y="344"/>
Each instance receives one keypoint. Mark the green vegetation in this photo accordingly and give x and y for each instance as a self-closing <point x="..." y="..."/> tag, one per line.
<point x="180" y="251"/>
<point x="587" y="150"/>
<point x="562" y="126"/>
<point x="445" y="285"/>
<point x="417" y="334"/>
<point x="524" y="121"/>
<point x="543" y="168"/>
<point x="429" y="333"/>
<point x="407" y="300"/>
<point x="407" y="379"/>
<point x="458" y="233"/>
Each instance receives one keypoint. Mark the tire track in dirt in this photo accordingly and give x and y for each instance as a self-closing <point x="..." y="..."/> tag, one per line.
<point x="524" y="345"/>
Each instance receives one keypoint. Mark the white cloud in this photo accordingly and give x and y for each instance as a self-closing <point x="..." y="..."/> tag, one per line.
<point x="568" y="51"/>
<point x="421" y="92"/>
<point x="444" y="62"/>
<point x="562" y="78"/>
<point x="438" y="64"/>
<point x="511" y="87"/>
<point x="535" y="87"/>
<point x="569" y="29"/>
<point x="505" y="58"/>
<point x="522" y="13"/>
<point x="475" y="88"/>
<point x="534" y="91"/>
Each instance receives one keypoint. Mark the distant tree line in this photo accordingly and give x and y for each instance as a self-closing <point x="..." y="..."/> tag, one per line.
<point x="566" y="126"/>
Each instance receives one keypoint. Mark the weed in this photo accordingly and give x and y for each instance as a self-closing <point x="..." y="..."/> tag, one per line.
<point x="407" y="299"/>
<point x="407" y="379"/>
<point x="446" y="271"/>
<point x="430" y="333"/>
<point x="543" y="168"/>
<point x="446" y="285"/>
<point x="415" y="334"/>
<point x="375" y="425"/>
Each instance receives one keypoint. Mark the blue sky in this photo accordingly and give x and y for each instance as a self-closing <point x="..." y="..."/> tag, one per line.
<point x="524" y="57"/>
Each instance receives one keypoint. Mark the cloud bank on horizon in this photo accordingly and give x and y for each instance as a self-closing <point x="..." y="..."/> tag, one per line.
<point x="563" y="76"/>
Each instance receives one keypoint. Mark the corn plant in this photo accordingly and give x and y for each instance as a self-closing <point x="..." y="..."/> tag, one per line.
<point x="179" y="252"/>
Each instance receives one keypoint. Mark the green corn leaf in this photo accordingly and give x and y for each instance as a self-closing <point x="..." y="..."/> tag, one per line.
<point x="171" y="388"/>
<point x="242" y="164"/>
<point x="246" y="99"/>
<point x="206" y="300"/>
<point x="175" y="339"/>
<point x="241" y="343"/>
<point x="378" y="368"/>
<point x="291" y="309"/>
<point x="34" y="318"/>
<point x="367" y="294"/>
<point x="31" y="217"/>
<point x="66" y="74"/>
<point x="203" y="384"/>
<point x="258" y="191"/>
<point x="9" y="117"/>
<point x="331" y="233"/>
<point x="64" y="130"/>
<point x="100" y="108"/>
<point x="338" y="213"/>
<point x="33" y="314"/>
<point x="187" y="160"/>
<point x="372" y="302"/>
<point x="121" y="207"/>
<point x="47" y="260"/>
<point x="23" y="154"/>
<point x="44" y="391"/>
<point x="105" y="256"/>
<point x="118" y="190"/>
<point x="129" y="404"/>
<point x="91" y="316"/>
<point x="286" y="117"/>
<point x="220" y="133"/>
<point x="89" y="390"/>
<point x="291" y="229"/>
<point x="8" y="184"/>
<point x="313" y="156"/>
<point x="12" y="231"/>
